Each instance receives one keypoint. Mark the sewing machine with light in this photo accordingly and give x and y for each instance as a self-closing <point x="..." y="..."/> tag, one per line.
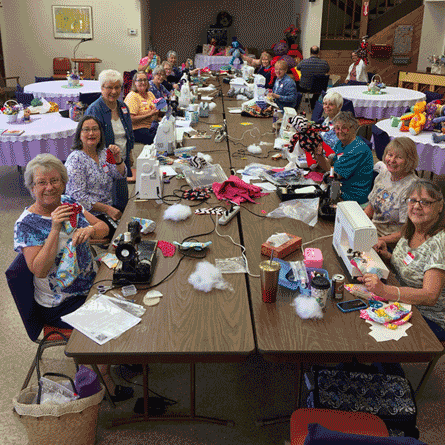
<point x="354" y="236"/>
<point x="165" y="139"/>
<point x="148" y="174"/>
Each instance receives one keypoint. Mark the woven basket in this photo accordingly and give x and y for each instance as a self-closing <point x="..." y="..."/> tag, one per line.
<point x="72" y="423"/>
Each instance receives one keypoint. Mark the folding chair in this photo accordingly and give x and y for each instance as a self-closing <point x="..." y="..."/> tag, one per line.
<point x="88" y="98"/>
<point x="24" y="98"/>
<point x="43" y="79"/>
<point x="341" y="421"/>
<point x="381" y="140"/>
<point x="21" y="284"/>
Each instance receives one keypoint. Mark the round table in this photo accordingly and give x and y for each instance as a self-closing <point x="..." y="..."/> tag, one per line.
<point x="58" y="91"/>
<point x="379" y="106"/>
<point x="46" y="133"/>
<point x="431" y="155"/>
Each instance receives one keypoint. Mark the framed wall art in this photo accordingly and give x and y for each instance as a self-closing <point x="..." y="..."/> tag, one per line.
<point x="72" y="22"/>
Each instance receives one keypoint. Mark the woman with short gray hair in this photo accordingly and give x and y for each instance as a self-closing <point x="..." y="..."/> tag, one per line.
<point x="156" y="86"/>
<point x="114" y="117"/>
<point x="353" y="162"/>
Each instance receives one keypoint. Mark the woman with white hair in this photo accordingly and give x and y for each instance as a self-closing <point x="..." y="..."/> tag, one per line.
<point x="176" y="74"/>
<point x="115" y="118"/>
<point x="332" y="103"/>
<point x="156" y="86"/>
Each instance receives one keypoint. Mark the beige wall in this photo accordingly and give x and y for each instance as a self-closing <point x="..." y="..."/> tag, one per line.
<point x="311" y="14"/>
<point x="29" y="45"/>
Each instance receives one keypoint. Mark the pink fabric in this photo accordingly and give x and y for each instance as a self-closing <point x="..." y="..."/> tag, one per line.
<point x="167" y="249"/>
<point x="236" y="190"/>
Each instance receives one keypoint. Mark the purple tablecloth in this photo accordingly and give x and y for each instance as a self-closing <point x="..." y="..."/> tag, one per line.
<point x="214" y="63"/>
<point x="431" y="155"/>
<point x="50" y="133"/>
<point x="393" y="103"/>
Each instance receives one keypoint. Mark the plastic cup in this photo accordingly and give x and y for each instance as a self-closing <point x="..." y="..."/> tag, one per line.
<point x="269" y="272"/>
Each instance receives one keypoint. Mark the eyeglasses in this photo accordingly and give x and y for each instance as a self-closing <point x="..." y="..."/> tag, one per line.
<point x="422" y="203"/>
<point x="89" y="130"/>
<point x="343" y="128"/>
<point x="54" y="182"/>
<point x="142" y="80"/>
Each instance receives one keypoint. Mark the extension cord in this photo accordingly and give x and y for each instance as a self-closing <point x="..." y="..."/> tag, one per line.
<point x="224" y="219"/>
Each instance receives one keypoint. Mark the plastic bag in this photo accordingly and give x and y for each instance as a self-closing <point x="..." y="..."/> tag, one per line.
<point x="305" y="210"/>
<point x="56" y="392"/>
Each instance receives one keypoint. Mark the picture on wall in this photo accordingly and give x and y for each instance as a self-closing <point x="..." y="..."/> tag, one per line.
<point x="72" y="22"/>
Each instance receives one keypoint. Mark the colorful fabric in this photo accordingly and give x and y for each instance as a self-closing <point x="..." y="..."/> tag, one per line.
<point x="32" y="230"/>
<point x="354" y="163"/>
<point x="137" y="105"/>
<point x="387" y="199"/>
<point x="429" y="255"/>
<point x="236" y="190"/>
<point x="90" y="182"/>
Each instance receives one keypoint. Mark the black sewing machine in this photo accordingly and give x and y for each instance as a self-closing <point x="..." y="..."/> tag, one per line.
<point x="138" y="258"/>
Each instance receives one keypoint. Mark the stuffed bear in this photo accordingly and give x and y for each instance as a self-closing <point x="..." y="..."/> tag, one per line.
<point x="416" y="119"/>
<point x="431" y="112"/>
<point x="236" y="51"/>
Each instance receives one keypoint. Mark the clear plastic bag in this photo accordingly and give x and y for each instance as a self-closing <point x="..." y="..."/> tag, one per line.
<point x="305" y="210"/>
<point x="56" y="392"/>
<point x="231" y="265"/>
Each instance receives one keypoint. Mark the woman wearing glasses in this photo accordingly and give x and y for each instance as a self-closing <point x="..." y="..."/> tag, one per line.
<point x="419" y="257"/>
<point x="115" y="120"/>
<point x="92" y="171"/>
<point x="387" y="206"/>
<point x="143" y="112"/>
<point x="352" y="162"/>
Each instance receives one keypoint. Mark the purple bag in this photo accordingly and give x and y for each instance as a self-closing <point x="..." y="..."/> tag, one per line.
<point x="86" y="382"/>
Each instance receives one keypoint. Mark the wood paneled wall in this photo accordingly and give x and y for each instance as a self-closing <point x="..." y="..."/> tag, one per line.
<point x="339" y="61"/>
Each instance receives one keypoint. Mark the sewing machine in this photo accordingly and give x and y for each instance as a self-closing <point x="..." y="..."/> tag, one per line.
<point x="354" y="236"/>
<point x="259" y="89"/>
<point x="148" y="174"/>
<point x="165" y="139"/>
<point x="247" y="71"/>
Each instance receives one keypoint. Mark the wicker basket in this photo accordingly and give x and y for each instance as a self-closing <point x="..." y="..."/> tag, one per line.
<point x="72" y="423"/>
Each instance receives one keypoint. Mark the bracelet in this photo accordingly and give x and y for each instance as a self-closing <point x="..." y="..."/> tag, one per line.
<point x="398" y="291"/>
<point x="119" y="163"/>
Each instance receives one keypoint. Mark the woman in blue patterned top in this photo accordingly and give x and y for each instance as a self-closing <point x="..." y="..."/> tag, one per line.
<point x="42" y="233"/>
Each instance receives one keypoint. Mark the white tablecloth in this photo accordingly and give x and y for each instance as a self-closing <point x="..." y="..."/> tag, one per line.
<point x="53" y="91"/>
<point x="46" y="133"/>
<point x="431" y="155"/>
<point x="381" y="106"/>
<point x="214" y="63"/>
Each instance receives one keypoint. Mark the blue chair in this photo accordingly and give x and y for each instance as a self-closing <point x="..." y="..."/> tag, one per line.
<point x="88" y="98"/>
<point x="21" y="284"/>
<point x="317" y="113"/>
<point x="43" y="79"/>
<point x="431" y="95"/>
<point x="24" y="98"/>
<point x="381" y="140"/>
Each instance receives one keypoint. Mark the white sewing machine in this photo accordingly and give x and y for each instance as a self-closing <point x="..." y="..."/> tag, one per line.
<point x="247" y="71"/>
<point x="165" y="139"/>
<point x="148" y="174"/>
<point x="259" y="88"/>
<point x="355" y="234"/>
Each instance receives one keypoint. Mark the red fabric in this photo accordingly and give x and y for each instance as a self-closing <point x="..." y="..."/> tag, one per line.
<point x="110" y="157"/>
<point x="327" y="150"/>
<point x="236" y="190"/>
<point x="76" y="208"/>
<point x="167" y="249"/>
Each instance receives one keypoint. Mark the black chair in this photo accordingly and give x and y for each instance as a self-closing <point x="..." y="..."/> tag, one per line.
<point x="381" y="140"/>
<point x="24" y="98"/>
<point x="21" y="284"/>
<point x="370" y="76"/>
<point x="431" y="95"/>
<point x="43" y="79"/>
<point x="317" y="113"/>
<point x="299" y="98"/>
<point x="88" y="98"/>
<point x="355" y="82"/>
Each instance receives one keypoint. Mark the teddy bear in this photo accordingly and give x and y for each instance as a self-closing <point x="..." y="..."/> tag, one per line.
<point x="431" y="111"/>
<point x="236" y="51"/>
<point x="414" y="122"/>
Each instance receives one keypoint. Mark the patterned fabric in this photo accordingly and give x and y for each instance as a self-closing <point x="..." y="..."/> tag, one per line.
<point x="354" y="163"/>
<point x="32" y="230"/>
<point x="89" y="182"/>
<point x="429" y="255"/>
<point x="310" y="67"/>
<point x="379" y="394"/>
<point x="388" y="202"/>
<point x="158" y="92"/>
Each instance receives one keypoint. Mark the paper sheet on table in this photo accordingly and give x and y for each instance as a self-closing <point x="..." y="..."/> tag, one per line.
<point x="248" y="179"/>
<point x="266" y="186"/>
<point x="101" y="320"/>
<point x="183" y="123"/>
<point x="235" y="110"/>
<point x="381" y="333"/>
<point x="169" y="171"/>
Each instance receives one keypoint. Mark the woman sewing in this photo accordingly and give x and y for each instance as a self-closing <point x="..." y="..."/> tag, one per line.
<point x="353" y="161"/>
<point x="387" y="206"/>
<point x="419" y="257"/>
<point x="92" y="170"/>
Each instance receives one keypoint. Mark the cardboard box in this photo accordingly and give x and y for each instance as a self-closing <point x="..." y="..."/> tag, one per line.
<point x="284" y="250"/>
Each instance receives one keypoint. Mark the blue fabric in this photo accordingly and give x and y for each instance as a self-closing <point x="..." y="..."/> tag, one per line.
<point x="99" y="110"/>
<point x="437" y="330"/>
<point x="287" y="90"/>
<point x="158" y="92"/>
<point x="354" y="163"/>
<point x="319" y="435"/>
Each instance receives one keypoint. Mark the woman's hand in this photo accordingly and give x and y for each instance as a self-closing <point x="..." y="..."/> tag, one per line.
<point x="116" y="152"/>
<point x="373" y="283"/>
<point x="274" y="95"/>
<point x="113" y="213"/>
<point x="319" y="150"/>
<point x="60" y="215"/>
<point x="382" y="249"/>
<point x="82" y="235"/>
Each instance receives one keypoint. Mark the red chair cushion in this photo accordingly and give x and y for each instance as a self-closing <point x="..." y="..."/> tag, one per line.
<point x="55" y="337"/>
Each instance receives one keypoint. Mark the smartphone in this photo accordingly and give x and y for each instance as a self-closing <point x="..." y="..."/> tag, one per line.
<point x="352" y="305"/>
